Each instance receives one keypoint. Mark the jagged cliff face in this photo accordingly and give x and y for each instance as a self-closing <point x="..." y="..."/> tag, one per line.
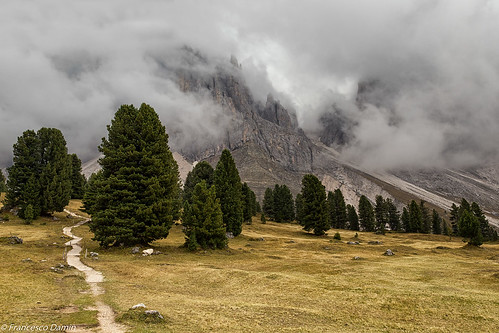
<point x="269" y="127"/>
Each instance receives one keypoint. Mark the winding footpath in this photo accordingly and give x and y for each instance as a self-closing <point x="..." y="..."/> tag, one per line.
<point x="105" y="314"/>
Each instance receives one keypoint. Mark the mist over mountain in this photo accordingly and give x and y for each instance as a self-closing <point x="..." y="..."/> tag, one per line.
<point x="395" y="84"/>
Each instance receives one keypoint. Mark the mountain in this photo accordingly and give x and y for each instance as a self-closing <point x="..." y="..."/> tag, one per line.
<point x="269" y="147"/>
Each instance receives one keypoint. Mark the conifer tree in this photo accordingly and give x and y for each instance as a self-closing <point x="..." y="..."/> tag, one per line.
<point x="55" y="176"/>
<point x="469" y="227"/>
<point x="415" y="217"/>
<point x="283" y="204"/>
<point x="28" y="214"/>
<point x="41" y="173"/>
<point x="406" y="220"/>
<point x="381" y="214"/>
<point x="23" y="187"/>
<point x="366" y="214"/>
<point x="425" y="218"/>
<point x="228" y="185"/>
<point x="436" y="223"/>
<point x="454" y="216"/>
<point x="136" y="197"/>
<point x="353" y="218"/>
<point x="202" y="171"/>
<point x="268" y="203"/>
<point x="341" y="209"/>
<point x="263" y="219"/>
<point x="299" y="208"/>
<point x="314" y="208"/>
<point x="393" y="215"/>
<point x="331" y="209"/>
<point x="249" y="202"/>
<point x="3" y="186"/>
<point x="78" y="181"/>
<point x="202" y="219"/>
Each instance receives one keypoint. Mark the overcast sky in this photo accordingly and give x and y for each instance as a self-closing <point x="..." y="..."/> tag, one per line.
<point x="70" y="64"/>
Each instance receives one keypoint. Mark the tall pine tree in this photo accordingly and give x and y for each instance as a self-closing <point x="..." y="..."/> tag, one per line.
<point x="78" y="181"/>
<point x="353" y="218"/>
<point x="202" y="219"/>
<point x="202" y="171"/>
<point x="268" y="203"/>
<point x="136" y="197"/>
<point x="366" y="214"/>
<point x="228" y="185"/>
<point x="3" y="186"/>
<point x="314" y="208"/>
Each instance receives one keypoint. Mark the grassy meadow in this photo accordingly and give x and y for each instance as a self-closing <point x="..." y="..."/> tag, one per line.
<point x="273" y="278"/>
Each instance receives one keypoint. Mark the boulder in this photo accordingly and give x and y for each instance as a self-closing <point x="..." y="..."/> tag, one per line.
<point x="374" y="242"/>
<point x="15" y="240"/>
<point x="135" y="250"/>
<point x="154" y="314"/>
<point x="94" y="254"/>
<point x="389" y="253"/>
<point x="353" y="243"/>
<point x="27" y="260"/>
<point x="229" y="235"/>
<point x="147" y="252"/>
<point x="356" y="258"/>
<point x="138" y="306"/>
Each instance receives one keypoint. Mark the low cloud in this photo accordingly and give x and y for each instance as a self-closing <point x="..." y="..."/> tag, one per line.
<point x="71" y="66"/>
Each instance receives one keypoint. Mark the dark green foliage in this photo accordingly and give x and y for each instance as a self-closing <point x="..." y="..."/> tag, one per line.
<point x="337" y="236"/>
<point x="136" y="196"/>
<point x="283" y="204"/>
<point x="425" y="218"/>
<point x="337" y="209"/>
<point x="415" y="217"/>
<point x="469" y="227"/>
<point x="28" y="214"/>
<point x="488" y="233"/>
<point x="436" y="223"/>
<point x="263" y="219"/>
<point x="381" y="214"/>
<point x="55" y="176"/>
<point x="249" y="202"/>
<point x="393" y="215"/>
<point x="299" y="208"/>
<point x="353" y="218"/>
<point x="454" y="216"/>
<point x="41" y="173"/>
<point x="268" y="203"/>
<point x="78" y="181"/>
<point x="91" y="191"/>
<point x="228" y="185"/>
<point x="406" y="220"/>
<point x="258" y="207"/>
<point x="366" y="214"/>
<point x="202" y="171"/>
<point x="3" y="186"/>
<point x="202" y="219"/>
<point x="314" y="212"/>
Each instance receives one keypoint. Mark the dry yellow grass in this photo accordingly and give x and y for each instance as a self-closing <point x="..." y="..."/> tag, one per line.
<point x="31" y="294"/>
<point x="289" y="282"/>
<point x="295" y="282"/>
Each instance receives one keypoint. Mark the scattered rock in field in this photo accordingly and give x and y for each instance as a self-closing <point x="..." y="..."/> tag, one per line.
<point x="259" y="239"/>
<point x="229" y="234"/>
<point x="38" y="302"/>
<point x="353" y="243"/>
<point x="14" y="211"/>
<point x="327" y="248"/>
<point x="69" y="216"/>
<point x="155" y="253"/>
<point x="138" y="306"/>
<point x="56" y="270"/>
<point x="147" y="252"/>
<point x="154" y="314"/>
<point x="389" y="253"/>
<point x="15" y="240"/>
<point x="43" y="260"/>
<point x="135" y="250"/>
<point x="357" y="258"/>
<point x="290" y="241"/>
<point x="55" y="218"/>
<point x="94" y="255"/>
<point x="443" y="248"/>
<point x="27" y="260"/>
<point x="374" y="242"/>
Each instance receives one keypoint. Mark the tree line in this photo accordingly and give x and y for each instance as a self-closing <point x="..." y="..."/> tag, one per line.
<point x="137" y="195"/>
